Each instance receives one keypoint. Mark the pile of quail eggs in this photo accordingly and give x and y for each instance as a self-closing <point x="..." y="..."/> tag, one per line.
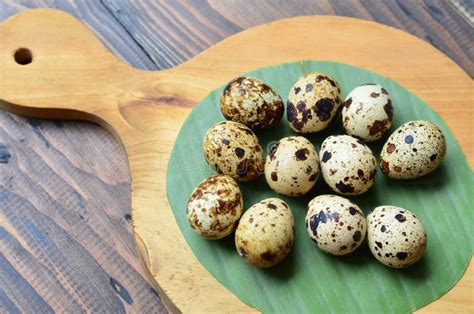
<point x="264" y="233"/>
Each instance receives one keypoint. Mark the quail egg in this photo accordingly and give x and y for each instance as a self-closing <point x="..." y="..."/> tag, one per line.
<point x="415" y="149"/>
<point x="396" y="237"/>
<point x="367" y="112"/>
<point x="292" y="166"/>
<point x="265" y="233"/>
<point x="215" y="207"/>
<point x="335" y="224"/>
<point x="313" y="102"/>
<point x="231" y="148"/>
<point x="252" y="102"/>
<point x="347" y="164"/>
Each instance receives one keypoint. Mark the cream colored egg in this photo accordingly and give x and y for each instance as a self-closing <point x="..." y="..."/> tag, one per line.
<point x="265" y="233"/>
<point x="252" y="102"/>
<point x="347" y="164"/>
<point x="367" y="112"/>
<point x="292" y="166"/>
<point x="336" y="225"/>
<point x="413" y="150"/>
<point x="214" y="207"/>
<point x="313" y="102"/>
<point x="231" y="148"/>
<point x="396" y="237"/>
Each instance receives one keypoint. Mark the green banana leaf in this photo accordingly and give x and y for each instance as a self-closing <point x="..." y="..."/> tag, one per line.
<point x="309" y="280"/>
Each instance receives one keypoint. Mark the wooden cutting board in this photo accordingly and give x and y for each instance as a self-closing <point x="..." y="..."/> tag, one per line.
<point x="52" y="66"/>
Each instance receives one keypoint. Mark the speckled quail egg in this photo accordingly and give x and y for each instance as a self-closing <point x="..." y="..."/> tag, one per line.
<point x="415" y="149"/>
<point x="347" y="164"/>
<point x="335" y="224"/>
<point x="231" y="148"/>
<point x="265" y="233"/>
<point x="252" y="102"/>
<point x="312" y="102"/>
<point x="292" y="166"/>
<point x="367" y="112"/>
<point x="396" y="237"/>
<point x="214" y="207"/>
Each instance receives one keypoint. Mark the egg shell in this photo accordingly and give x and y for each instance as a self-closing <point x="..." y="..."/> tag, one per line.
<point x="313" y="102"/>
<point x="396" y="237"/>
<point x="347" y="164"/>
<point x="336" y="225"/>
<point x="265" y="233"/>
<point x="413" y="150"/>
<point x="252" y="102"/>
<point x="214" y="207"/>
<point x="231" y="148"/>
<point x="367" y="112"/>
<point x="292" y="166"/>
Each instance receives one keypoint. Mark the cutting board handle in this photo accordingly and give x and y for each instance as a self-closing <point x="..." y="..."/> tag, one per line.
<point x="42" y="64"/>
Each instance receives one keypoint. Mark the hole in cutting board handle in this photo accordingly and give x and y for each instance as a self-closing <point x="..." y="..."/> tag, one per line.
<point x="23" y="56"/>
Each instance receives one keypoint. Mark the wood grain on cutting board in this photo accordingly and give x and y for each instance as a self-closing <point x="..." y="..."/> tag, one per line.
<point x="133" y="103"/>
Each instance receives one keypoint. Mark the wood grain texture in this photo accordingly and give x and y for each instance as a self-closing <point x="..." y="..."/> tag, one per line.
<point x="145" y="109"/>
<point x="186" y="27"/>
<point x="215" y="20"/>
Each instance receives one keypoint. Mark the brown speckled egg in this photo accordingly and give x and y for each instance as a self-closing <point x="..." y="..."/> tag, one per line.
<point x="335" y="224"/>
<point x="231" y="148"/>
<point x="313" y="102"/>
<point x="367" y="112"/>
<point x="214" y="207"/>
<point x="265" y="233"/>
<point x="252" y="102"/>
<point x="413" y="150"/>
<point x="347" y="164"/>
<point x="292" y="166"/>
<point x="396" y="237"/>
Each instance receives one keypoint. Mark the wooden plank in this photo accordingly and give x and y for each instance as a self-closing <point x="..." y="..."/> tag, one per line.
<point x="66" y="239"/>
<point x="173" y="31"/>
<point x="146" y="109"/>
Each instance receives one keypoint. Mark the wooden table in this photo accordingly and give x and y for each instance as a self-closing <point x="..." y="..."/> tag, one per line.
<point x="66" y="239"/>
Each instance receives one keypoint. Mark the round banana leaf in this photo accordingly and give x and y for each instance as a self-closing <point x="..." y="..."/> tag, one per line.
<point x="309" y="280"/>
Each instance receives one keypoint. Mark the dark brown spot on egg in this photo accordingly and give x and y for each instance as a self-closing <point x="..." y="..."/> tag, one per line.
<point x="391" y="148"/>
<point x="388" y="109"/>
<point x="274" y="176"/>
<point x="402" y="255"/>
<point x="313" y="177"/>
<point x="326" y="156"/>
<point x="378" y="127"/>
<point x="384" y="91"/>
<point x="267" y="256"/>
<point x="433" y="157"/>
<point x="291" y="112"/>
<point x="385" y="167"/>
<point x="297" y="90"/>
<point x="348" y="103"/>
<point x="357" y="236"/>
<point x="240" y="152"/>
<point x="400" y="218"/>
<point x="301" y="154"/>
<point x="344" y="188"/>
<point x="272" y="206"/>
<point x="374" y="95"/>
<point x="323" y="108"/>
